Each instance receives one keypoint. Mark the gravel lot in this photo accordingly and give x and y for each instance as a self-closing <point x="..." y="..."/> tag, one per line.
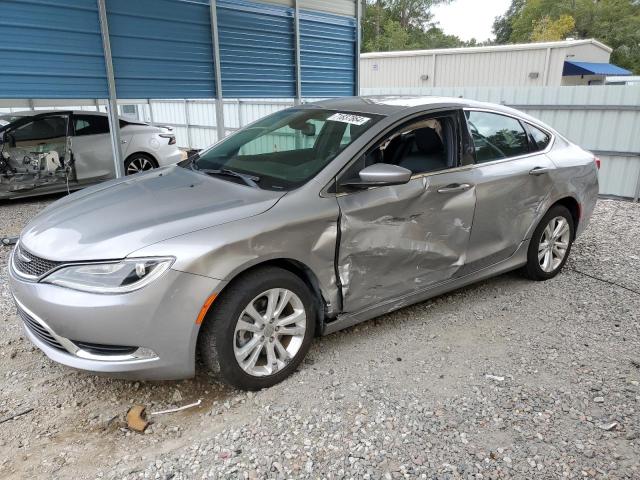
<point x="504" y="379"/>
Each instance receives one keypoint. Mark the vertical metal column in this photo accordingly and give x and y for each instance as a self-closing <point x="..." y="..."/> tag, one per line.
<point x="187" y="119"/>
<point x="150" y="105"/>
<point x="358" y="40"/>
<point x="114" y="121"/>
<point x="434" y="58"/>
<point x="217" y="70"/>
<point x="298" y="66"/>
<point x="547" y="64"/>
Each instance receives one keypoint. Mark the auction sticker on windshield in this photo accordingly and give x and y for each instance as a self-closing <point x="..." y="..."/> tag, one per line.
<point x="349" y="118"/>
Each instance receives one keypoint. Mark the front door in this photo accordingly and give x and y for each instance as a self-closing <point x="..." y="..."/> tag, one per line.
<point x="397" y="240"/>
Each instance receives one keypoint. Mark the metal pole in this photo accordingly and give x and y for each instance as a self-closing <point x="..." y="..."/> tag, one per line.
<point x="433" y="70"/>
<point x="217" y="70"/>
<point x="187" y="120"/>
<point x="547" y="64"/>
<point x="150" y="111"/>
<point x="296" y="33"/>
<point x="114" y="121"/>
<point x="636" y="197"/>
<point x="358" y="35"/>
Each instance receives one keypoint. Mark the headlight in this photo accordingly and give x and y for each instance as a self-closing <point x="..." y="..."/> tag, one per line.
<point x="118" y="277"/>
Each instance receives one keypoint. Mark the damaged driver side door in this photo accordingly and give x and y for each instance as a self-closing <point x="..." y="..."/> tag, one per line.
<point x="396" y="240"/>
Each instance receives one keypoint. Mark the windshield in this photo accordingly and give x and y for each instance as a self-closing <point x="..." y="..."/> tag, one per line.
<point x="284" y="150"/>
<point x="7" y="119"/>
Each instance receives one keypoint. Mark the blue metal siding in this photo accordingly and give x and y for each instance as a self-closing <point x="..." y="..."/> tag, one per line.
<point x="161" y="48"/>
<point x="257" y="52"/>
<point x="51" y="49"/>
<point x="327" y="54"/>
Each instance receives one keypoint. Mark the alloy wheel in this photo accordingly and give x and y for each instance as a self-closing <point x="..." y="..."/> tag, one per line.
<point x="554" y="243"/>
<point x="269" y="332"/>
<point x="139" y="164"/>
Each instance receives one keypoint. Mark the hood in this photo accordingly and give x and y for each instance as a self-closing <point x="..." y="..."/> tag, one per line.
<point x="113" y="219"/>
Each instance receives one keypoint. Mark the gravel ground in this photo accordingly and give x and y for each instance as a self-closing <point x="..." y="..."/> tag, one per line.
<point x="504" y="379"/>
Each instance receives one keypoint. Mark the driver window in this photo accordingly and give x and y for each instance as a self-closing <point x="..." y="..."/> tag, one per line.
<point x="496" y="136"/>
<point x="422" y="146"/>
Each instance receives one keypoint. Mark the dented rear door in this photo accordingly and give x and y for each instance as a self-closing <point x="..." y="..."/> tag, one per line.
<point x="397" y="240"/>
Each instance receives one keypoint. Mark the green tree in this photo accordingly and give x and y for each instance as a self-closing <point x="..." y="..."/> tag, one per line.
<point x="546" y="29"/>
<point x="613" y="22"/>
<point x="403" y="25"/>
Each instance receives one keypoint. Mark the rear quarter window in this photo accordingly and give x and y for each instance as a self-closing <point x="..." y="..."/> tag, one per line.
<point x="541" y="139"/>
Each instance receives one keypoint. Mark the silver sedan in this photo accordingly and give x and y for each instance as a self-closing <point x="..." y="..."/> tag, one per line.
<point x="306" y="222"/>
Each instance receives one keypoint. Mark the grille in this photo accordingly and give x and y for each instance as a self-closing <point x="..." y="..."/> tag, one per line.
<point x="35" y="266"/>
<point x="98" y="349"/>
<point x="39" y="331"/>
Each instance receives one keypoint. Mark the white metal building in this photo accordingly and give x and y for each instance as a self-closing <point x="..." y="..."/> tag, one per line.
<point x="569" y="62"/>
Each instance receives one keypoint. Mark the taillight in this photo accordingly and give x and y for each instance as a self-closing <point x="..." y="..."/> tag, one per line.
<point x="170" y="136"/>
<point x="597" y="160"/>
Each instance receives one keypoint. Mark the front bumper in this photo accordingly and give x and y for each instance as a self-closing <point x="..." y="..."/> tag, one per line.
<point x="159" y="320"/>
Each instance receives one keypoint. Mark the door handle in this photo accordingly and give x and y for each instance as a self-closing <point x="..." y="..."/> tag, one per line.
<point x="455" y="187"/>
<point x="123" y="141"/>
<point x="539" y="171"/>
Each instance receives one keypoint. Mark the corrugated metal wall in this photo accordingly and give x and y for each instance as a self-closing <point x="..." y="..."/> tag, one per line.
<point x="51" y="49"/>
<point x="327" y="53"/>
<point x="256" y="49"/>
<point x="161" y="48"/>
<point x="604" y="119"/>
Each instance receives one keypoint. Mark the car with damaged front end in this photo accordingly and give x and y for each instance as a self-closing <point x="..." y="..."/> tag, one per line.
<point x="43" y="152"/>
<point x="303" y="223"/>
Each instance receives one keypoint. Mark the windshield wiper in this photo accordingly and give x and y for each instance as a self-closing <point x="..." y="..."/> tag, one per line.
<point x="248" y="179"/>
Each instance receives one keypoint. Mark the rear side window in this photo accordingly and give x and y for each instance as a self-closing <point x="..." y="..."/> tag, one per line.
<point x="540" y="139"/>
<point x="90" y="125"/>
<point x="496" y="136"/>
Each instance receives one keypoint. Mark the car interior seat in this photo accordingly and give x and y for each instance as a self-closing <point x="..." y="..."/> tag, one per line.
<point x="426" y="152"/>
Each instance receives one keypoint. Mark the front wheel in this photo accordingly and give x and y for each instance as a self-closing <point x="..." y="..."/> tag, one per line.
<point x="259" y="330"/>
<point x="550" y="244"/>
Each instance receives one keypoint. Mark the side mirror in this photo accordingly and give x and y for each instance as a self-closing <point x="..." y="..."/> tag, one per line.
<point x="381" y="174"/>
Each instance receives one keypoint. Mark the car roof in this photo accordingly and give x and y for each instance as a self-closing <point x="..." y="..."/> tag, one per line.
<point x="33" y="113"/>
<point x="392" y="104"/>
<point x="387" y="105"/>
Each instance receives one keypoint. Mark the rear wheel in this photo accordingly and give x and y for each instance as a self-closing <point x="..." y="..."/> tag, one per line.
<point x="139" y="162"/>
<point x="550" y="244"/>
<point x="259" y="330"/>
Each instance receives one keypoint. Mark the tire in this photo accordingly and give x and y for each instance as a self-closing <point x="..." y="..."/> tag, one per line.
<point x="544" y="267"/>
<point x="223" y="343"/>
<point x="139" y="162"/>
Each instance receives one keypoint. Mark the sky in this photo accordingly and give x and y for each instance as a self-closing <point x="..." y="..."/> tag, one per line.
<point x="469" y="18"/>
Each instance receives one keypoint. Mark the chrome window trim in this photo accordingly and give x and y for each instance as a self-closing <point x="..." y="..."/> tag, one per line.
<point x="522" y="120"/>
<point x="324" y="193"/>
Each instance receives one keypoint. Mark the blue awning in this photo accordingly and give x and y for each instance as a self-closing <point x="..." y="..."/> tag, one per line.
<point x="589" y="68"/>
